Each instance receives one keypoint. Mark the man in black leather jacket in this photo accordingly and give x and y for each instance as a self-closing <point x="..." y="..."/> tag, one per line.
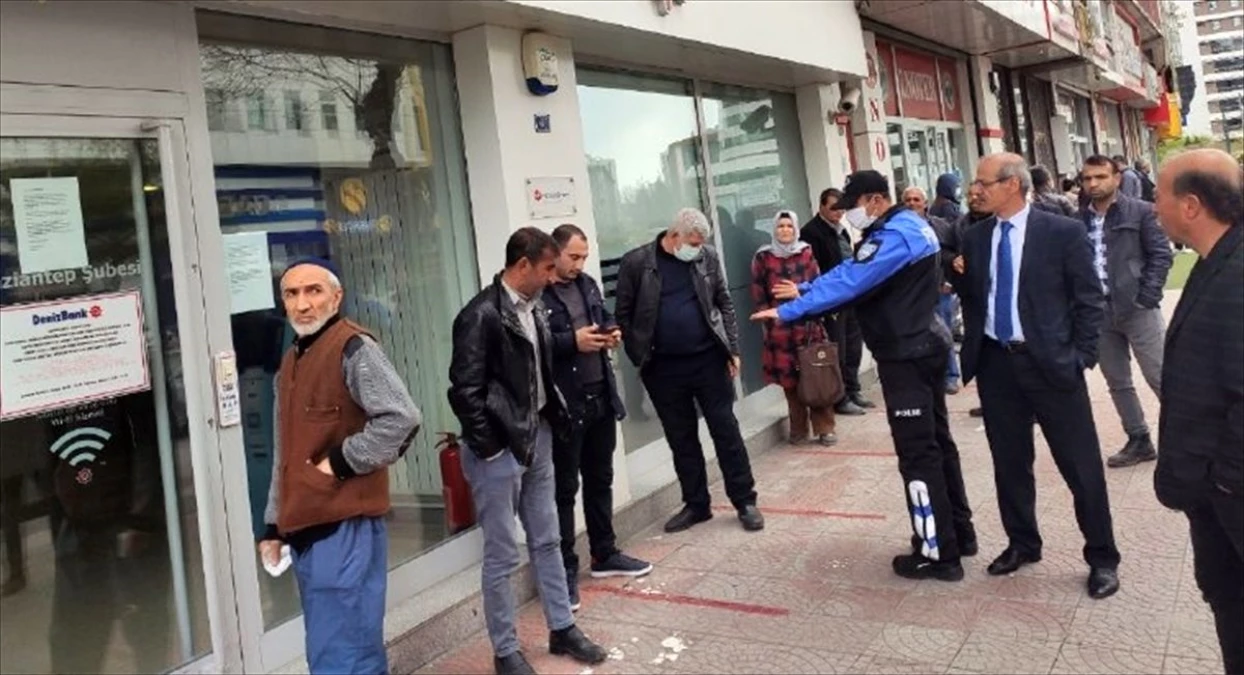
<point x="680" y="331"/>
<point x="503" y="392"/>
<point x="583" y="332"/>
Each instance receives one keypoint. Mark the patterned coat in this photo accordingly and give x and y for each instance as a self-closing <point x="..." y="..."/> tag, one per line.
<point x="780" y="359"/>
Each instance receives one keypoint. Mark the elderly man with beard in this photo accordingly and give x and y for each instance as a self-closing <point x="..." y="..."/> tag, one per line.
<point x="343" y="415"/>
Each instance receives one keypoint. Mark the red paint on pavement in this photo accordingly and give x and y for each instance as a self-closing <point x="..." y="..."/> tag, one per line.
<point x="657" y="596"/>
<point x="812" y="513"/>
<point x="847" y="453"/>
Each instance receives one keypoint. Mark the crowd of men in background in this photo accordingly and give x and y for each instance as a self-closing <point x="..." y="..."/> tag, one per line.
<point x="1049" y="287"/>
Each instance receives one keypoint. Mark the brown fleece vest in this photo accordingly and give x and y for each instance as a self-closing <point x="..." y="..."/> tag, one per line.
<point x="316" y="415"/>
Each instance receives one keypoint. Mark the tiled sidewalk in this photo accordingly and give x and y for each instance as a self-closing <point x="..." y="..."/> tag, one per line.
<point x="813" y="593"/>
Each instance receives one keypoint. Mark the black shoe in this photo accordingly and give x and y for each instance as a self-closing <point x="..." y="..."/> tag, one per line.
<point x="1011" y="560"/>
<point x="916" y="566"/>
<point x="976" y="412"/>
<point x="686" y="519"/>
<point x="620" y="565"/>
<point x="848" y="407"/>
<point x="573" y="643"/>
<point x="1138" y="449"/>
<point x="967" y="547"/>
<point x="1103" y="582"/>
<point x="514" y="664"/>
<point x="858" y="399"/>
<point x="751" y="518"/>
<point x="572" y="589"/>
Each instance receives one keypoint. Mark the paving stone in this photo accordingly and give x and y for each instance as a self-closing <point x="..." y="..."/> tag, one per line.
<point x="814" y="592"/>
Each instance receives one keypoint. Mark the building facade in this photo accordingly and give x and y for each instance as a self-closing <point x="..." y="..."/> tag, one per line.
<point x="1213" y="46"/>
<point x="171" y="159"/>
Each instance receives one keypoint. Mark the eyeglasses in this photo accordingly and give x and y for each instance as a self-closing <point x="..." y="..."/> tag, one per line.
<point x="982" y="184"/>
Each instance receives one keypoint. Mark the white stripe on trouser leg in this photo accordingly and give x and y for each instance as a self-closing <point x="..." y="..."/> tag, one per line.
<point x="922" y="519"/>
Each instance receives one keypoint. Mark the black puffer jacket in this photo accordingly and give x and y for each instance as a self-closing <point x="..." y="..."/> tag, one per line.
<point x="492" y="383"/>
<point x="639" y="300"/>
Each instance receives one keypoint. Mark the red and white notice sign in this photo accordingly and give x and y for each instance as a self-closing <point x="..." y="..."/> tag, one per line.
<point x="68" y="352"/>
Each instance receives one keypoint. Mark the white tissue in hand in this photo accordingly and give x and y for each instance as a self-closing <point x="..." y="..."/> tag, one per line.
<point x="283" y="564"/>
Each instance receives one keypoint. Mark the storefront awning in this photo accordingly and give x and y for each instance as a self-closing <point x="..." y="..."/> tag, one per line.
<point x="1012" y="32"/>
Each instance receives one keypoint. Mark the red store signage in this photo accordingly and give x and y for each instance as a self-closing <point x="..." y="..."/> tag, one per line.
<point x="920" y="86"/>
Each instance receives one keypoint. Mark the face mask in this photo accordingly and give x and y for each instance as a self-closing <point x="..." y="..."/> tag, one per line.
<point x="858" y="218"/>
<point x="687" y="253"/>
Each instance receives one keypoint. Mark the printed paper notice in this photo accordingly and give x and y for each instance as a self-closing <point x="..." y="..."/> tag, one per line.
<point x="250" y="272"/>
<point x="48" y="217"/>
<point x="69" y="352"/>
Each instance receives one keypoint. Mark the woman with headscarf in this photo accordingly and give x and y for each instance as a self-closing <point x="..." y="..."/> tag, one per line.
<point x="787" y="258"/>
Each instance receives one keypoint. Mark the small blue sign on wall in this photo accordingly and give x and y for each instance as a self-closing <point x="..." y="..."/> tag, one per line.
<point x="543" y="124"/>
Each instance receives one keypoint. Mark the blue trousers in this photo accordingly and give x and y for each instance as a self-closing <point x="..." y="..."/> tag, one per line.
<point x="342" y="580"/>
<point x="946" y="308"/>
<point x="502" y="489"/>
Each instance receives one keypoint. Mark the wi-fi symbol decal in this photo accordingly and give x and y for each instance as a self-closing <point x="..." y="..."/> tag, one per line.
<point x="80" y="445"/>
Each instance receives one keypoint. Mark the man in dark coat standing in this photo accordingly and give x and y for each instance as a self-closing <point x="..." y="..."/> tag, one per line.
<point x="831" y="244"/>
<point x="1201" y="429"/>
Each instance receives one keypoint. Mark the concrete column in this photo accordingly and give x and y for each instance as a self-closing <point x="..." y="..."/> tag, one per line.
<point x="872" y="147"/>
<point x="990" y="131"/>
<point x="503" y="149"/>
<point x="826" y="156"/>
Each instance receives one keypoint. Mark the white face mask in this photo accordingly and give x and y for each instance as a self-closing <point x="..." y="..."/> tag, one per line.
<point x="858" y="218"/>
<point x="687" y="252"/>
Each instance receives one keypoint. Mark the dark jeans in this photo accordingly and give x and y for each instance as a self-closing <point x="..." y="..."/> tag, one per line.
<point x="1217" y="526"/>
<point x="928" y="459"/>
<point x="845" y="331"/>
<point x="676" y="385"/>
<point x="1014" y="389"/>
<point x="588" y="452"/>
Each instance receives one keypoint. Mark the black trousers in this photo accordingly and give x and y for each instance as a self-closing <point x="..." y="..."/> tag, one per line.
<point x="676" y="386"/>
<point x="588" y="452"/>
<point x="928" y="459"/>
<point x="1014" y="389"/>
<point x="1217" y="526"/>
<point x="845" y="331"/>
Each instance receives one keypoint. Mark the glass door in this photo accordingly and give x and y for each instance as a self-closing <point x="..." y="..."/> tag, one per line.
<point x="103" y="567"/>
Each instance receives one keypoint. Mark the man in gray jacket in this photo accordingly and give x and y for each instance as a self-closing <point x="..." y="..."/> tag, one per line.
<point x="679" y="329"/>
<point x="343" y="416"/>
<point x="1133" y="257"/>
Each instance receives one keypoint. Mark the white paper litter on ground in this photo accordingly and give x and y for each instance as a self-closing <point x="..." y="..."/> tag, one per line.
<point x="674" y="644"/>
<point x="616" y="654"/>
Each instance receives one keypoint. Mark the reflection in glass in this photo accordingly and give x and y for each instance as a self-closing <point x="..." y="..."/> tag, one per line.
<point x="898" y="161"/>
<point x="644" y="163"/>
<point x="102" y="567"/>
<point x="372" y="177"/>
<point x="756" y="156"/>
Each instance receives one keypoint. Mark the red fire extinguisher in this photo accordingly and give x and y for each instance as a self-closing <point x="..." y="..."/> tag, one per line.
<point x="459" y="509"/>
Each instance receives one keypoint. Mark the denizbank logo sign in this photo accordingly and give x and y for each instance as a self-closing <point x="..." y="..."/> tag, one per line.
<point x="64" y="315"/>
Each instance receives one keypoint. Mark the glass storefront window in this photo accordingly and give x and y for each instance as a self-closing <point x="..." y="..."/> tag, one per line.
<point x="756" y="159"/>
<point x="384" y="197"/>
<point x="644" y="163"/>
<point x="1112" y="144"/>
<point x="898" y="161"/>
<point x="103" y="572"/>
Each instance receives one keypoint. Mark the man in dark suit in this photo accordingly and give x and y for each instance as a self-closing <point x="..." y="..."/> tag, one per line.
<point x="1032" y="306"/>
<point x="1201" y="428"/>
<point x="827" y="234"/>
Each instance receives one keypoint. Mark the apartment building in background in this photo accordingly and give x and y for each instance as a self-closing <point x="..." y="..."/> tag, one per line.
<point x="1212" y="37"/>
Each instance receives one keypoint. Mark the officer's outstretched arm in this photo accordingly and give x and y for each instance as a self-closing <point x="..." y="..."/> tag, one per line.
<point x="880" y="257"/>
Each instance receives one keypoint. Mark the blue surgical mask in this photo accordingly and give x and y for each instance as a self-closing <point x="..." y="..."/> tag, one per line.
<point x="688" y="253"/>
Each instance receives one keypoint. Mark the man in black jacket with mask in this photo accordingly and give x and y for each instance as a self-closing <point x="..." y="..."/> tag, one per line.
<point x="583" y="332"/>
<point x="827" y="234"/>
<point x="503" y="392"/>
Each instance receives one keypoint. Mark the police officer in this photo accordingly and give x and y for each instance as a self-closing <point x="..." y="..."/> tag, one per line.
<point x="893" y="284"/>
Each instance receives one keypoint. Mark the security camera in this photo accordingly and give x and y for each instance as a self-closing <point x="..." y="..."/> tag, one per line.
<point x="849" y="99"/>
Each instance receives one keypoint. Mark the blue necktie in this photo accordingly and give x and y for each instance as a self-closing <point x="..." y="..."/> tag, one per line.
<point x="1004" y="287"/>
